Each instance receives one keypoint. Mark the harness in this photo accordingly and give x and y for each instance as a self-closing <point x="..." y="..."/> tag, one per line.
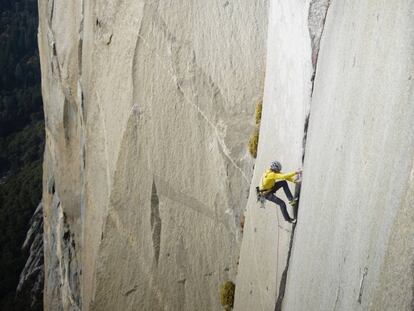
<point x="261" y="194"/>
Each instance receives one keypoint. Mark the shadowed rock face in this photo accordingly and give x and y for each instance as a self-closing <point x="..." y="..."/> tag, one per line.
<point x="148" y="110"/>
<point x="32" y="276"/>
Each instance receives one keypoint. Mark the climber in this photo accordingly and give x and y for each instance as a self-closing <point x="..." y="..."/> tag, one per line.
<point x="273" y="179"/>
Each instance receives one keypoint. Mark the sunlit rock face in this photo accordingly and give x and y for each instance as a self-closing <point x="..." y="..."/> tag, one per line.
<point x="149" y="105"/>
<point x="353" y="245"/>
<point x="294" y="31"/>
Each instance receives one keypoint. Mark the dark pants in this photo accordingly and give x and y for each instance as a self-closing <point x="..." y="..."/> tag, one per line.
<point x="271" y="197"/>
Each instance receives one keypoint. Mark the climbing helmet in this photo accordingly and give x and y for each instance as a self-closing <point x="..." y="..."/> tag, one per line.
<point x="276" y="166"/>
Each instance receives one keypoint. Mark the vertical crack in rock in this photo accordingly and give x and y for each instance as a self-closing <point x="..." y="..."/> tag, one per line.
<point x="318" y="10"/>
<point x="412" y="288"/>
<point x="69" y="120"/>
<point x="62" y="277"/>
<point x="361" y="285"/>
<point x="282" y="285"/>
<point x="155" y="223"/>
<point x="182" y="264"/>
<point x="50" y="9"/>
<point x="81" y="116"/>
<point x="305" y="137"/>
<point x="69" y="266"/>
<point x="338" y="293"/>
<point x="73" y="129"/>
<point x="80" y="40"/>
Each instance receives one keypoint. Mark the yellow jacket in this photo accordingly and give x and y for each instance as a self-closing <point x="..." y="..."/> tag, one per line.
<point x="270" y="178"/>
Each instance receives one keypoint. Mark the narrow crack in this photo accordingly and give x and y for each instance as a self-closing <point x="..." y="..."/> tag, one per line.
<point x="50" y="9"/>
<point x="338" y="293"/>
<point x="155" y="222"/>
<point x="318" y="10"/>
<point x="305" y="136"/>
<point x="361" y="286"/>
<point x="282" y="285"/>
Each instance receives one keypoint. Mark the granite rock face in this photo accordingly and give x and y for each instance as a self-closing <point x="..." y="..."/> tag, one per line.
<point x="32" y="276"/>
<point x="294" y="30"/>
<point x="149" y="105"/>
<point x="353" y="245"/>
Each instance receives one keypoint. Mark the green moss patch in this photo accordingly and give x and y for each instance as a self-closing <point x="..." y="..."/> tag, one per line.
<point x="254" y="137"/>
<point x="227" y="290"/>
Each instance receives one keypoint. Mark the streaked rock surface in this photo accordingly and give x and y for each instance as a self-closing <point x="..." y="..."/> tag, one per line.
<point x="149" y="105"/>
<point x="148" y="109"/>
<point x="353" y="247"/>
<point x="32" y="276"/>
<point x="354" y="243"/>
<point x="287" y="95"/>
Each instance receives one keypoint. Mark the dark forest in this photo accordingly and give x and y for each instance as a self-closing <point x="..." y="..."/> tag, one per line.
<point x="21" y="143"/>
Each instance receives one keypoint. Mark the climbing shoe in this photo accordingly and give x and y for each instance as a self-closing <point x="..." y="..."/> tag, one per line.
<point x="293" y="202"/>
